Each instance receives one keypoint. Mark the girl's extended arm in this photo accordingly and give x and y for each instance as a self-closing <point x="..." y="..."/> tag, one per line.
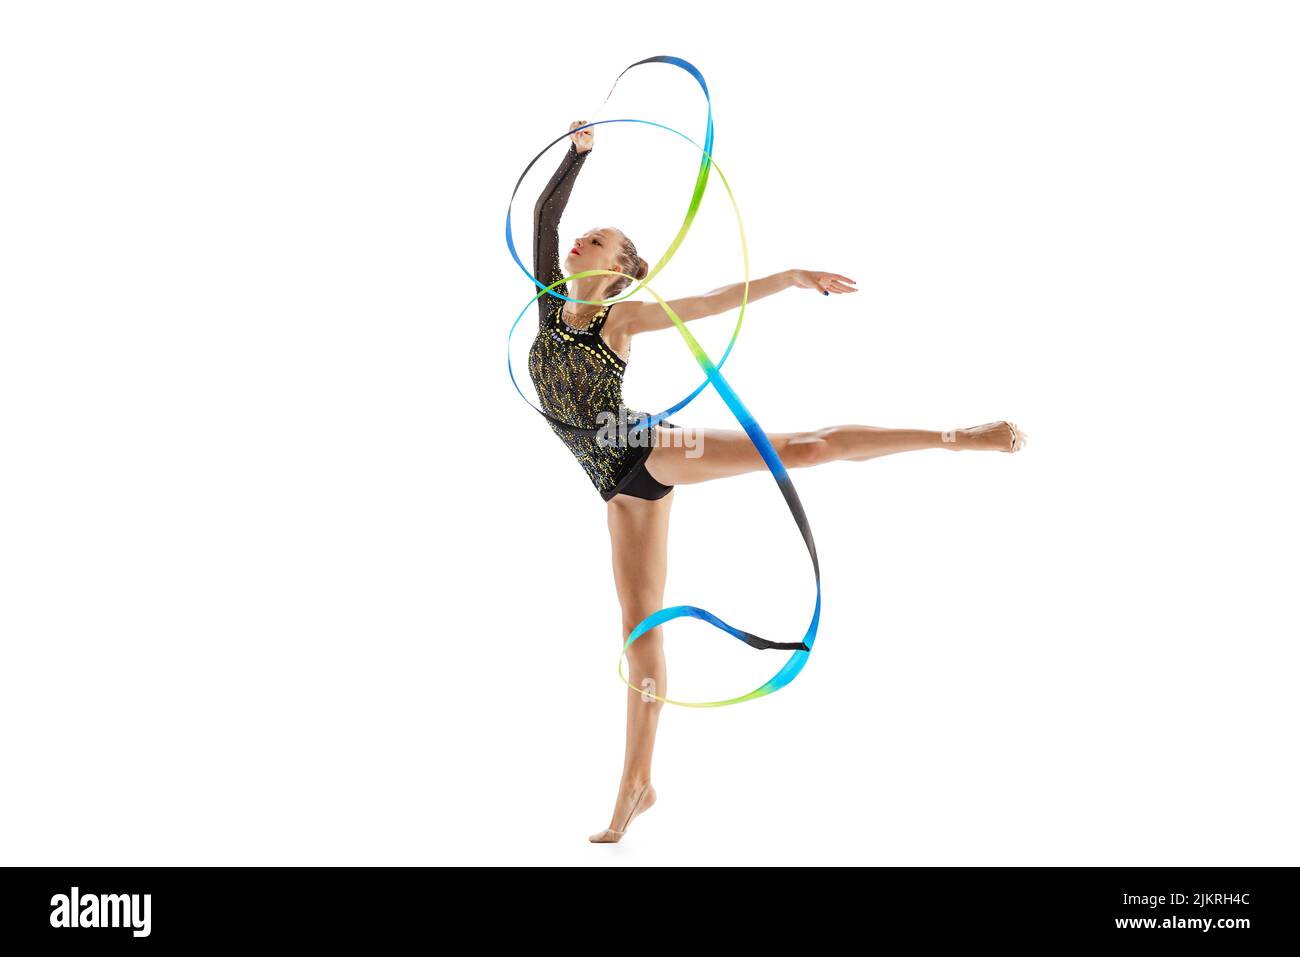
<point x="648" y="316"/>
<point x="546" y="226"/>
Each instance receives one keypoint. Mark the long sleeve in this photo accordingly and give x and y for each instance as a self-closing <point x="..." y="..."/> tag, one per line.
<point x="546" y="226"/>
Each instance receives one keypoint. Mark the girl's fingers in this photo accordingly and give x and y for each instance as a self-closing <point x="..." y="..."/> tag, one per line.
<point x="834" y="282"/>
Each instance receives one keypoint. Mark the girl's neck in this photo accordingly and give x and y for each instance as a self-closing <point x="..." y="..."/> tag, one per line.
<point x="578" y="314"/>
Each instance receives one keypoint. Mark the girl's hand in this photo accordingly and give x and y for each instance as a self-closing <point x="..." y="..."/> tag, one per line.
<point x="824" y="282"/>
<point x="584" y="140"/>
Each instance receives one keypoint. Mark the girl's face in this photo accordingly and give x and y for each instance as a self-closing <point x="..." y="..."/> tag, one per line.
<point x="594" y="249"/>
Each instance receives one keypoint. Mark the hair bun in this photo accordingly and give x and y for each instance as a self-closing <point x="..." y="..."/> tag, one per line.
<point x="642" y="268"/>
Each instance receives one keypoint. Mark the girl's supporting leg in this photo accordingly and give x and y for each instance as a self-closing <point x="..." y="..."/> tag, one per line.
<point x="638" y="532"/>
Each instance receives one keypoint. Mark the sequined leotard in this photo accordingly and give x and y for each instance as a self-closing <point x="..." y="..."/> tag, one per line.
<point x="578" y="377"/>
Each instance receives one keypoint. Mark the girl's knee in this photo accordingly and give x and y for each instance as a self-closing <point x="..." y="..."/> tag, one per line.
<point x="647" y="638"/>
<point x="649" y="642"/>
<point x="805" y="449"/>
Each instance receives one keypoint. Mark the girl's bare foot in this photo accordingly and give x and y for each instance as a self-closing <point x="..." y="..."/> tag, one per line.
<point x="631" y="803"/>
<point x="989" y="437"/>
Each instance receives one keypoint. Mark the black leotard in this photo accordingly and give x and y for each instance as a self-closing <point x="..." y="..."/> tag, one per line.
<point x="578" y="377"/>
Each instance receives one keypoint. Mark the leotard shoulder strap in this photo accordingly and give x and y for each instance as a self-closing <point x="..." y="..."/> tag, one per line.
<point x="598" y="320"/>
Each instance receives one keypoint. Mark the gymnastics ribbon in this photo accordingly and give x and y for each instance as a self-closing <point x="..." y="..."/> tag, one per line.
<point x="800" y="650"/>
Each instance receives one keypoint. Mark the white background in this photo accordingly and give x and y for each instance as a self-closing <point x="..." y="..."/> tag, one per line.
<point x="292" y="575"/>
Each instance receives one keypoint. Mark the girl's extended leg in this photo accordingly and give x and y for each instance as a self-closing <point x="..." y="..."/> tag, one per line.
<point x="698" y="455"/>
<point x="638" y="533"/>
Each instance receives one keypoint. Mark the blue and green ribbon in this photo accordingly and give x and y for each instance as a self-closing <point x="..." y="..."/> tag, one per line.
<point x="800" y="650"/>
